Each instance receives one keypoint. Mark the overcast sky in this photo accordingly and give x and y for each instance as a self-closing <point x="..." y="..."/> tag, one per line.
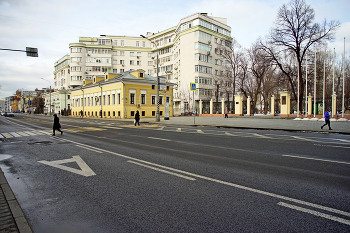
<point x="51" y="25"/>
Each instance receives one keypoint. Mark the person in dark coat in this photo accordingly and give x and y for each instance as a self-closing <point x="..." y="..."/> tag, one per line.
<point x="56" y="124"/>
<point x="327" y="122"/>
<point x="137" y="118"/>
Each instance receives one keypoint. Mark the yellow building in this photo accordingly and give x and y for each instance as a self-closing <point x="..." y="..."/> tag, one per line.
<point x="120" y="95"/>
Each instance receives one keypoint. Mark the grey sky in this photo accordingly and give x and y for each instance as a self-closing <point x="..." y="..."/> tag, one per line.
<point x="51" y="25"/>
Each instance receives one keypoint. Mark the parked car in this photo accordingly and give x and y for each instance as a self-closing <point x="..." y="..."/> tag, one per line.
<point x="9" y="114"/>
<point x="2" y="113"/>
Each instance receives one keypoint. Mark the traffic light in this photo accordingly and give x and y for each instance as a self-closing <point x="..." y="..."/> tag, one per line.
<point x="32" y="52"/>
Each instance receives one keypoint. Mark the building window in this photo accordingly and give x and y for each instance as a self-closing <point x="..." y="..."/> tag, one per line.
<point x="121" y="43"/>
<point x="132" y="113"/>
<point x="113" y="99"/>
<point x="143" y="98"/>
<point x="137" y="44"/>
<point x="131" y="62"/>
<point x="118" y="98"/>
<point x="121" y="70"/>
<point x="121" y="62"/>
<point x="153" y="87"/>
<point x="160" y="100"/>
<point x="143" y="44"/>
<point x="132" y="54"/>
<point x="143" y="113"/>
<point x="132" y="98"/>
<point x="121" y="53"/>
<point x="153" y="99"/>
<point x="138" y="63"/>
<point x="108" y="99"/>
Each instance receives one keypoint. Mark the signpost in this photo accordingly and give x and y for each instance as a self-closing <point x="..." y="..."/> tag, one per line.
<point x="193" y="88"/>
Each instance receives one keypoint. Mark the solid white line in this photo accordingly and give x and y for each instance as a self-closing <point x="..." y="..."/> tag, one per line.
<point x="163" y="139"/>
<point x="319" y="214"/>
<point x="226" y="183"/>
<point x="305" y="139"/>
<point x="89" y="149"/>
<point x="161" y="170"/>
<point x="324" y="160"/>
<point x="1" y="136"/>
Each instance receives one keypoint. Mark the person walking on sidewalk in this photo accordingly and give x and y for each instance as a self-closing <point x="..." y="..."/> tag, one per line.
<point x="56" y="124"/>
<point x="226" y="112"/>
<point x="327" y="121"/>
<point x="137" y="118"/>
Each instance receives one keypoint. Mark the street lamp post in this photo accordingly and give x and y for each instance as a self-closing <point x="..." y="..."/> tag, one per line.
<point x="50" y="92"/>
<point x="157" y="113"/>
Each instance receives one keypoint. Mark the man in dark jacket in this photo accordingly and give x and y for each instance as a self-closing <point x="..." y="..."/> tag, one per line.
<point x="137" y="117"/>
<point x="56" y="124"/>
<point x="327" y="122"/>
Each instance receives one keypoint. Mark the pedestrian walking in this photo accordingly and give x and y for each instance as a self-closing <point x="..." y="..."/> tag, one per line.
<point x="56" y="124"/>
<point x="327" y="121"/>
<point x="137" y="118"/>
<point x="226" y="112"/>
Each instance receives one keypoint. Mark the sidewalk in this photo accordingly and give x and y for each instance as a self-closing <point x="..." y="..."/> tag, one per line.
<point x="12" y="218"/>
<point x="257" y="122"/>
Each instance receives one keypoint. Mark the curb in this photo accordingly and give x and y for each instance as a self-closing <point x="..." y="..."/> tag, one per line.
<point x="16" y="210"/>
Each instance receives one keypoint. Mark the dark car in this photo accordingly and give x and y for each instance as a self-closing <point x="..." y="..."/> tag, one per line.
<point x="9" y="114"/>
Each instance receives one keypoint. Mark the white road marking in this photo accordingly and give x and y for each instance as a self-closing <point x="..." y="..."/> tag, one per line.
<point x="163" y="139"/>
<point x="227" y="183"/>
<point x="30" y="133"/>
<point x="1" y="136"/>
<point x="333" y="146"/>
<point x="178" y="129"/>
<point x="229" y="134"/>
<point x="199" y="131"/>
<point x="161" y="128"/>
<point x="85" y="169"/>
<point x="161" y="170"/>
<point x="324" y="160"/>
<point x="319" y="214"/>
<point x="23" y="134"/>
<point x="305" y="139"/>
<point x="15" y="134"/>
<point x="89" y="149"/>
<point x="261" y="136"/>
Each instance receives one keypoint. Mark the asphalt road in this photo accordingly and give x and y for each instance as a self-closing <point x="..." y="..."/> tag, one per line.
<point x="115" y="177"/>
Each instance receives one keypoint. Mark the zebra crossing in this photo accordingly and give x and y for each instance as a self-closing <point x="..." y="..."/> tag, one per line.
<point x="46" y="132"/>
<point x="24" y="133"/>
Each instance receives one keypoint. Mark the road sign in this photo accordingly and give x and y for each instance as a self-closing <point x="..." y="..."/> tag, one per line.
<point x="193" y="87"/>
<point x="32" y="52"/>
<point x="29" y="102"/>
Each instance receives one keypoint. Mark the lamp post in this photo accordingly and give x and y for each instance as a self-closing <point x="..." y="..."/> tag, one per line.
<point x="157" y="113"/>
<point x="50" y="92"/>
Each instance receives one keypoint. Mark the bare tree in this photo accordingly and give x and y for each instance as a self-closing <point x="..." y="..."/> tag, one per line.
<point x="232" y="54"/>
<point x="293" y="34"/>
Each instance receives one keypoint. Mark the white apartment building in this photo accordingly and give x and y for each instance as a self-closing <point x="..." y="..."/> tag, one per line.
<point x="188" y="52"/>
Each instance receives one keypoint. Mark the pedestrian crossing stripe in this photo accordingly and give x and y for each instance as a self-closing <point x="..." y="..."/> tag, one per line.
<point x="7" y="135"/>
<point x="23" y="134"/>
<point x="46" y="132"/>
